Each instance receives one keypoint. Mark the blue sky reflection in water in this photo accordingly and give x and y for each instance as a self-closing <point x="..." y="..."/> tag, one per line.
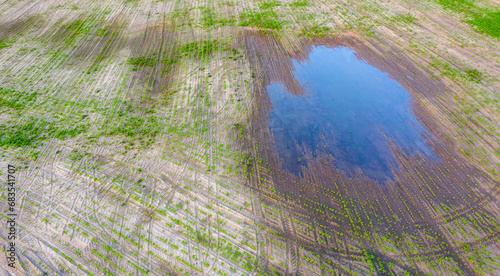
<point x="348" y="102"/>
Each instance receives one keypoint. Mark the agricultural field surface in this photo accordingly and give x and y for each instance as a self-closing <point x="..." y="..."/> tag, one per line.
<point x="258" y="137"/>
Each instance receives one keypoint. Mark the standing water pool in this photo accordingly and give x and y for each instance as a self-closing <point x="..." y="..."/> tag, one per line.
<point x="347" y="110"/>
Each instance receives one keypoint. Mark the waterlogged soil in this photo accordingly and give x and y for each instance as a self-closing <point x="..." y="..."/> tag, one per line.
<point x="177" y="172"/>
<point x="350" y="111"/>
<point x="353" y="113"/>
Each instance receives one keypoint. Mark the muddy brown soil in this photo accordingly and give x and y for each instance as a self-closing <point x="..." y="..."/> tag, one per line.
<point x="207" y="194"/>
<point x="412" y="204"/>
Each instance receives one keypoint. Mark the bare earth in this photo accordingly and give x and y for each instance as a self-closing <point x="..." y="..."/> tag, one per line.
<point x="139" y="130"/>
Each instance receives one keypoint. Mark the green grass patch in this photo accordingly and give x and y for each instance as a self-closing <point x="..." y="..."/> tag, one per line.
<point x="76" y="155"/>
<point x="206" y="47"/>
<point x="270" y="4"/>
<point x="4" y="43"/>
<point x="209" y="19"/>
<point x="264" y="19"/>
<point x="26" y="133"/>
<point x="103" y="31"/>
<point x="168" y="61"/>
<point x="133" y="127"/>
<point x="457" y="5"/>
<point x="15" y="99"/>
<point x="474" y="75"/>
<point x="21" y="135"/>
<point x="167" y="96"/>
<point x="482" y="20"/>
<point x="314" y="31"/>
<point x="142" y="61"/>
<point x="35" y="130"/>
<point x="488" y="23"/>
<point x="454" y="72"/>
<point x="74" y="29"/>
<point x="298" y="4"/>
<point x="407" y="18"/>
<point x="76" y="25"/>
<point x="63" y="134"/>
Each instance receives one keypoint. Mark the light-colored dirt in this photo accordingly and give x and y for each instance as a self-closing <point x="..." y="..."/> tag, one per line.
<point x="175" y="174"/>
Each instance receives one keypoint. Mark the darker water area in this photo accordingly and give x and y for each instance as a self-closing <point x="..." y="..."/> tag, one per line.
<point x="347" y="110"/>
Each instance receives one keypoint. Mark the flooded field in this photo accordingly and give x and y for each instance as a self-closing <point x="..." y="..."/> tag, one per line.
<point x="249" y="138"/>
<point x="350" y="110"/>
<point x="338" y="118"/>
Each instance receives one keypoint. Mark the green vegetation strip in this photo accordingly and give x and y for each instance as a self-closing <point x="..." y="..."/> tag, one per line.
<point x="482" y="20"/>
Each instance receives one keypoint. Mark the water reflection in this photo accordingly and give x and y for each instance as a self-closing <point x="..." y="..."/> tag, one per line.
<point x="349" y="104"/>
